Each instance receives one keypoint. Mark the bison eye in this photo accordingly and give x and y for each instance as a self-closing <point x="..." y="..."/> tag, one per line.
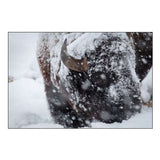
<point x="100" y="79"/>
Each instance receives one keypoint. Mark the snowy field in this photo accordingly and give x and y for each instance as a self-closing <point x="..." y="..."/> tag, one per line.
<point x="27" y="102"/>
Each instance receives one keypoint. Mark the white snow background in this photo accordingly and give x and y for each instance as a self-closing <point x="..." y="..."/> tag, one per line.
<point x="27" y="102"/>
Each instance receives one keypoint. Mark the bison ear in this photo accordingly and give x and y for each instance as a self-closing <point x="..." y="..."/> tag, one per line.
<point x="79" y="65"/>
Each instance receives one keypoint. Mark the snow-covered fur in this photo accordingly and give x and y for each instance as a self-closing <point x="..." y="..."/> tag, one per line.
<point x="142" y="44"/>
<point x="108" y="91"/>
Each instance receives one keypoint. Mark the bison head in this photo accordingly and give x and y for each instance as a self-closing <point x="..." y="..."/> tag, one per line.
<point x="102" y="84"/>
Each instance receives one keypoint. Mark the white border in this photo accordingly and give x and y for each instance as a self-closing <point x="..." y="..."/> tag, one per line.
<point x="81" y="15"/>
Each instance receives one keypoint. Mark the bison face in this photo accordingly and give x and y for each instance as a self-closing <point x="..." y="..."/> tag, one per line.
<point x="103" y="85"/>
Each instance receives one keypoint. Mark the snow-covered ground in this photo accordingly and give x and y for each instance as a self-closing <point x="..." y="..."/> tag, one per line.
<point x="28" y="109"/>
<point x="27" y="102"/>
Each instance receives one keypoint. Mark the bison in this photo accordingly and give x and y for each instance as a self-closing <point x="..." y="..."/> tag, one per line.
<point x="89" y="76"/>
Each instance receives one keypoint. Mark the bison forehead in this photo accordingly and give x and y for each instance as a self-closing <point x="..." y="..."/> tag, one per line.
<point x="90" y="41"/>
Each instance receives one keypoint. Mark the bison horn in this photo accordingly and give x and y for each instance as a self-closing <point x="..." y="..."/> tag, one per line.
<point x="78" y="65"/>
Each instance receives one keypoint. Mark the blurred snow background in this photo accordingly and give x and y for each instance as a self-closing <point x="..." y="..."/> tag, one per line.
<point x="27" y="102"/>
